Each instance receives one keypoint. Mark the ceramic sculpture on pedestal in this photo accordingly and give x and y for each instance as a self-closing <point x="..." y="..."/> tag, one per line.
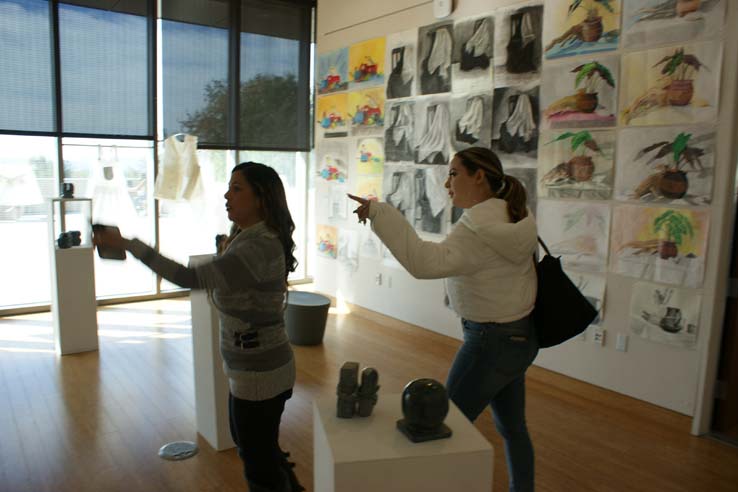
<point x="424" y="406"/>
<point x="352" y="398"/>
<point x="347" y="384"/>
<point x="367" y="393"/>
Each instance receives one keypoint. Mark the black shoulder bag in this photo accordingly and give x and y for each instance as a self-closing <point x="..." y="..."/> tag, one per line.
<point x="561" y="311"/>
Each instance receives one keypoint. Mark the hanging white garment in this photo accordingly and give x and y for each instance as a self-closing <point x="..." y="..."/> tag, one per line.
<point x="526" y="29"/>
<point x="440" y="55"/>
<point x="179" y="171"/>
<point x="471" y="121"/>
<point x="408" y="63"/>
<point x="478" y="44"/>
<point x="435" y="189"/>
<point x="111" y="201"/>
<point x="521" y="123"/>
<point x="402" y="125"/>
<point x="18" y="185"/>
<point x="436" y="138"/>
<point x="401" y="197"/>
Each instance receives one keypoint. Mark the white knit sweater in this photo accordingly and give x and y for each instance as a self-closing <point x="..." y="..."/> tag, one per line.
<point x="486" y="261"/>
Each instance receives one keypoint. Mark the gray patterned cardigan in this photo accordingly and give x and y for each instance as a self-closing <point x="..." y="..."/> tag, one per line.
<point x="247" y="286"/>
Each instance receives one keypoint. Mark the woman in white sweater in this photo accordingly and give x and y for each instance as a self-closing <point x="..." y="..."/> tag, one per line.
<point x="488" y="268"/>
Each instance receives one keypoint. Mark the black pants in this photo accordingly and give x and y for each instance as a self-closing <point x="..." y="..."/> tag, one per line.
<point x="255" y="431"/>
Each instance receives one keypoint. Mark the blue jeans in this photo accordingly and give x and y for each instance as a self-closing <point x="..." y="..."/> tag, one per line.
<point x="489" y="369"/>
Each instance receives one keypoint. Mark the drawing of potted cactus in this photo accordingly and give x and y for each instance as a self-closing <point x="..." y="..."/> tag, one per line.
<point x="590" y="29"/>
<point x="671" y="180"/>
<point x="580" y="167"/>
<point x="684" y="7"/>
<point x="592" y="74"/>
<point x="676" y="226"/>
<point x="681" y="68"/>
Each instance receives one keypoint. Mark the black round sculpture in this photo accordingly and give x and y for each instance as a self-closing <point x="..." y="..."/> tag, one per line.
<point x="424" y="406"/>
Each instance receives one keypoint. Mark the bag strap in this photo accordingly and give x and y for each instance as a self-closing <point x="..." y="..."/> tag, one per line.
<point x="545" y="248"/>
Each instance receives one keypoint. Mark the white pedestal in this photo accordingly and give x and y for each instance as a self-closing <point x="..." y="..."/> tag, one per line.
<point x="73" y="302"/>
<point x="370" y="454"/>
<point x="211" y="383"/>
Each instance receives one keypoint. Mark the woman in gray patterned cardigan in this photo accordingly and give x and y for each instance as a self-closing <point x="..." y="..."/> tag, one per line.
<point x="247" y="283"/>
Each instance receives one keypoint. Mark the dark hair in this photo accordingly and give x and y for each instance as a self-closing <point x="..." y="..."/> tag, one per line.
<point x="502" y="185"/>
<point x="269" y="189"/>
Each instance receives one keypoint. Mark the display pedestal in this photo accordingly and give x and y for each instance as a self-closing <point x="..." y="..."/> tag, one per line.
<point x="211" y="383"/>
<point x="73" y="303"/>
<point x="370" y="454"/>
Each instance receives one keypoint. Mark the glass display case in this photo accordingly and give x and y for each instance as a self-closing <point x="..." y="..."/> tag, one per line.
<point x="71" y="220"/>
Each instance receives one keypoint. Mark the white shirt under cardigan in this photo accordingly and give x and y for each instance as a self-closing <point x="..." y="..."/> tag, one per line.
<point x="486" y="261"/>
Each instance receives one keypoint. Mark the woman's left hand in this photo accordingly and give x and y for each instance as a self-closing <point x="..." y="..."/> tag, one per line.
<point x="363" y="210"/>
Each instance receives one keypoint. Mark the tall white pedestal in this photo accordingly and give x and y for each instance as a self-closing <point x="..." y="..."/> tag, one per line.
<point x="211" y="383"/>
<point x="370" y="454"/>
<point x="73" y="302"/>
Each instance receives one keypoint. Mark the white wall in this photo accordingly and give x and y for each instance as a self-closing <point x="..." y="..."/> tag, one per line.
<point x="677" y="379"/>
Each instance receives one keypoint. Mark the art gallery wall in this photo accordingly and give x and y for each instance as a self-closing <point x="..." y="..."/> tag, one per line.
<point x="662" y="374"/>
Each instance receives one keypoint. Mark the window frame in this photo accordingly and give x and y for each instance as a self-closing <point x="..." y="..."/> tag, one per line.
<point x="153" y="16"/>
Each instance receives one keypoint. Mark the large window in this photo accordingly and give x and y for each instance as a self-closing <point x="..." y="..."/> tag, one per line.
<point x="28" y="178"/>
<point x="189" y="228"/>
<point x="195" y="74"/>
<point x="77" y="105"/>
<point x="26" y="88"/>
<point x="118" y="176"/>
<point x="292" y="168"/>
<point x="237" y="74"/>
<point x="104" y="71"/>
<point x="274" y="78"/>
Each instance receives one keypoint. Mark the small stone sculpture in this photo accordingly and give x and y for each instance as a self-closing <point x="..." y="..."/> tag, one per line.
<point x="367" y="394"/>
<point x="424" y="405"/>
<point x="346" y="390"/>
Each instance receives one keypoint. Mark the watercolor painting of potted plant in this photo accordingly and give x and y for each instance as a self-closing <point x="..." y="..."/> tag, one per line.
<point x="592" y="74"/>
<point x="675" y="226"/>
<point x="590" y="29"/>
<point x="580" y="166"/>
<point x="587" y="83"/>
<point x="670" y="8"/>
<point x="675" y="86"/>
<point x="671" y="179"/>
<point x="681" y="68"/>
<point x="651" y="22"/>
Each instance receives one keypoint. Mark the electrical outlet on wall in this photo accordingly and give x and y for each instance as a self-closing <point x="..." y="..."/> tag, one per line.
<point x="378" y="279"/>
<point x="598" y="336"/>
<point x="621" y="342"/>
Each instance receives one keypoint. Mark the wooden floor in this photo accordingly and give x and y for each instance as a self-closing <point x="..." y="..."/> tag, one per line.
<point x="94" y="422"/>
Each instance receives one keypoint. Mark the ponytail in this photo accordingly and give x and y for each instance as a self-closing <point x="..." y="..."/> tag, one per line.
<point x="502" y="185"/>
<point x="516" y="197"/>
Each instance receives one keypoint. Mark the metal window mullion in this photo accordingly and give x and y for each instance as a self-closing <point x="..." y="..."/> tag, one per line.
<point x="154" y="8"/>
<point x="234" y="75"/>
<point x="57" y="93"/>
